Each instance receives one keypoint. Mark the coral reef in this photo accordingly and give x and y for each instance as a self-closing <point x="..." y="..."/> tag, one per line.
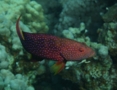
<point x="108" y="33"/>
<point x="9" y="81"/>
<point x="100" y="72"/>
<point x="73" y="19"/>
<point x="76" y="11"/>
<point x="15" y="73"/>
<point x="97" y="68"/>
<point x="31" y="12"/>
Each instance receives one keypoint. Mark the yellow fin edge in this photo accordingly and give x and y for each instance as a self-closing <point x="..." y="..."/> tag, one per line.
<point x="57" y="67"/>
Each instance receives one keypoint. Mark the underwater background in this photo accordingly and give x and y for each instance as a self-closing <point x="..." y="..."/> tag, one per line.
<point x="93" y="22"/>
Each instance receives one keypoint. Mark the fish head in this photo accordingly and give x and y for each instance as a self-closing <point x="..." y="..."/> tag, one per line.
<point x="77" y="51"/>
<point x="84" y="51"/>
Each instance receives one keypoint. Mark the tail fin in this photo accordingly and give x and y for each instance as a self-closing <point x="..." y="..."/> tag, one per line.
<point x="19" y="32"/>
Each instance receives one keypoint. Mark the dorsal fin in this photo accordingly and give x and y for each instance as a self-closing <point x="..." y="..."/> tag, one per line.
<point x="19" y="32"/>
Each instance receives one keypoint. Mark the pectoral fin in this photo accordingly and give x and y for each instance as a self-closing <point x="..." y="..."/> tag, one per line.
<point x="57" y="67"/>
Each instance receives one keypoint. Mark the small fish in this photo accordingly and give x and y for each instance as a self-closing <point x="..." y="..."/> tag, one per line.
<point x="44" y="46"/>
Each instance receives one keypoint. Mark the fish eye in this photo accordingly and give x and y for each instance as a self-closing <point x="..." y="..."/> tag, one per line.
<point x="81" y="49"/>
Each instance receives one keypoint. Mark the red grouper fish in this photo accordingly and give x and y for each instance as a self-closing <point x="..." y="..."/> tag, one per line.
<point x="46" y="46"/>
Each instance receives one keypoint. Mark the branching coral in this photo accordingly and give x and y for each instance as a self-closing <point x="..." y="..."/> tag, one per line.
<point x="14" y="82"/>
<point x="32" y="12"/>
